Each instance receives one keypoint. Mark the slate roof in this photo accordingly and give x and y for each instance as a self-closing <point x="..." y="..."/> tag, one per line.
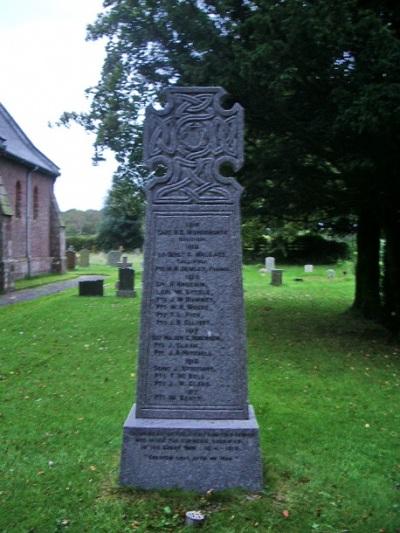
<point x="14" y="144"/>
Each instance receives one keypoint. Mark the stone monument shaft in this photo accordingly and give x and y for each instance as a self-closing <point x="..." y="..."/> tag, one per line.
<point x="192" y="340"/>
<point x="191" y="426"/>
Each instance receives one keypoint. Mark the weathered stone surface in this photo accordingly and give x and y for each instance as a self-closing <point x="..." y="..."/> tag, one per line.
<point x="113" y="257"/>
<point x="308" y="268"/>
<point x="276" y="277"/>
<point x="84" y="258"/>
<point x="126" y="282"/>
<point x="191" y="454"/>
<point x="192" y="357"/>
<point x="71" y="259"/>
<point x="92" y="287"/>
<point x="269" y="263"/>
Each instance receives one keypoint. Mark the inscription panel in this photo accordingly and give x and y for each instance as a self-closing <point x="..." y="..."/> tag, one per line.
<point x="191" y="344"/>
<point x="195" y="454"/>
<point x="202" y="447"/>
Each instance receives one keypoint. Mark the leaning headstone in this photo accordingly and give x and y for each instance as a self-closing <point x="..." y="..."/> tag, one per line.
<point x="124" y="263"/>
<point x="269" y="263"/>
<point x="113" y="257"/>
<point x="92" y="287"/>
<point x="126" y="282"/>
<point x="276" y="277"/>
<point x="84" y="258"/>
<point x="71" y="258"/>
<point x="308" y="268"/>
<point x="331" y="273"/>
<point x="192" y="427"/>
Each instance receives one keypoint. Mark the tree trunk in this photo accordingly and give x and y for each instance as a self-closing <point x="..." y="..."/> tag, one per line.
<point x="391" y="279"/>
<point x="367" y="294"/>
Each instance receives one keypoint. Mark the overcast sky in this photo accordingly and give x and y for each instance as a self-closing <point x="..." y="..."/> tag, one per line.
<point x="45" y="66"/>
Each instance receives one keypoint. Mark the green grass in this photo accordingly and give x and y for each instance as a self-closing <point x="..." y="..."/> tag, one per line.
<point x="98" y="266"/>
<point x="325" y="387"/>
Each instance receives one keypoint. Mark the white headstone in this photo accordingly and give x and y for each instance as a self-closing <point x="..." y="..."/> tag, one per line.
<point x="331" y="273"/>
<point x="269" y="263"/>
<point x="308" y="268"/>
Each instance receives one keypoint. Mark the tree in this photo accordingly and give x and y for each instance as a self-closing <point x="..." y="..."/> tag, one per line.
<point x="319" y="81"/>
<point x="81" y="222"/>
<point x="123" y="214"/>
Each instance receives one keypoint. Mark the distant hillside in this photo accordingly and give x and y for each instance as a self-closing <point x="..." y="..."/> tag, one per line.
<point x="81" y="222"/>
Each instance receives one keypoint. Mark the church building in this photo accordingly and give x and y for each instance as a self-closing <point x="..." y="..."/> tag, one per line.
<point x="32" y="236"/>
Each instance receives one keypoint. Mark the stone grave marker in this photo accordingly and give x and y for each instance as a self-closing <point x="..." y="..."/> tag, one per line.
<point x="308" y="268"/>
<point x="276" y="277"/>
<point x="331" y="274"/>
<point x="92" y="287"/>
<point x="84" y="258"/>
<point x="113" y="257"/>
<point x="124" y="263"/>
<point x="126" y="282"/>
<point x="269" y="263"/>
<point x="71" y="258"/>
<point x="192" y="427"/>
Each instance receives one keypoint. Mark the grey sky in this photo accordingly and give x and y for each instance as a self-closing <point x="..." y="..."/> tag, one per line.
<point x="46" y="65"/>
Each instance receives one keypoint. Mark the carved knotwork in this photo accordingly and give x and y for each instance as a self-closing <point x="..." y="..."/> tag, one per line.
<point x="192" y="137"/>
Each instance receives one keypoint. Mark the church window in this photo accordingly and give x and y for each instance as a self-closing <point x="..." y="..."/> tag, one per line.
<point x="18" y="199"/>
<point x="35" y="203"/>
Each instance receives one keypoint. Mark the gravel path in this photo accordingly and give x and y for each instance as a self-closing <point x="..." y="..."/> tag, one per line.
<point x="43" y="290"/>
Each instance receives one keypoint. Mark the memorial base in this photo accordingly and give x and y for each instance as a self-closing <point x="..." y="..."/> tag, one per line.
<point x="191" y="454"/>
<point x="125" y="293"/>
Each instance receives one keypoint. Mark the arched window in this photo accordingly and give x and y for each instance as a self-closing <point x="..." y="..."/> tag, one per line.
<point x="18" y="199"/>
<point x="35" y="202"/>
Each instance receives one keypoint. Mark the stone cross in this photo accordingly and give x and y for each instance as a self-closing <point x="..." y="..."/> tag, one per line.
<point x="124" y="263"/>
<point x="191" y="426"/>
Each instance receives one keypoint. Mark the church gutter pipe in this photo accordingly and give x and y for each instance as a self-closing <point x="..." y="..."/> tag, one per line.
<point x="28" y="220"/>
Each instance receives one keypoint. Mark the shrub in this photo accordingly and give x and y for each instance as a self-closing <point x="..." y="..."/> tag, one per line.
<point x="78" y="242"/>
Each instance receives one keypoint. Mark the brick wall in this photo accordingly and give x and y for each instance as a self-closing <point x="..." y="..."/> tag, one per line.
<point x="31" y="243"/>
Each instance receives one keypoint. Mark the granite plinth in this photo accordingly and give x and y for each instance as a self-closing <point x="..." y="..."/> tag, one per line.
<point x="191" y="454"/>
<point x="126" y="293"/>
<point x="91" y="287"/>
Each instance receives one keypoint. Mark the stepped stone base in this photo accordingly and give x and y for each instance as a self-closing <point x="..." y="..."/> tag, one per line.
<point x="191" y="454"/>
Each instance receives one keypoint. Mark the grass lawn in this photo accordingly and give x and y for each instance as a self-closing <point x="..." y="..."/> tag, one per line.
<point x="325" y="387"/>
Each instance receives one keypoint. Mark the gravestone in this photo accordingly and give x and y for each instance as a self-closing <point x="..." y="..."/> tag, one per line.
<point x="192" y="427"/>
<point x="84" y="258"/>
<point x="113" y="257"/>
<point x="124" y="263"/>
<point x="276" y="277"/>
<point x="92" y="287"/>
<point x="269" y="263"/>
<point x="308" y="268"/>
<point x="71" y="258"/>
<point x="126" y="282"/>
<point x="331" y="273"/>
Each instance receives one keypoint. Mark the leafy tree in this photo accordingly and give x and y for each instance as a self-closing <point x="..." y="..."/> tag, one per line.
<point x="319" y="82"/>
<point x="123" y="214"/>
<point x="79" y="222"/>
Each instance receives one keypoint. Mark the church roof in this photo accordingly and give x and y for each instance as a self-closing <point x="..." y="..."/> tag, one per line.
<point x="14" y="144"/>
